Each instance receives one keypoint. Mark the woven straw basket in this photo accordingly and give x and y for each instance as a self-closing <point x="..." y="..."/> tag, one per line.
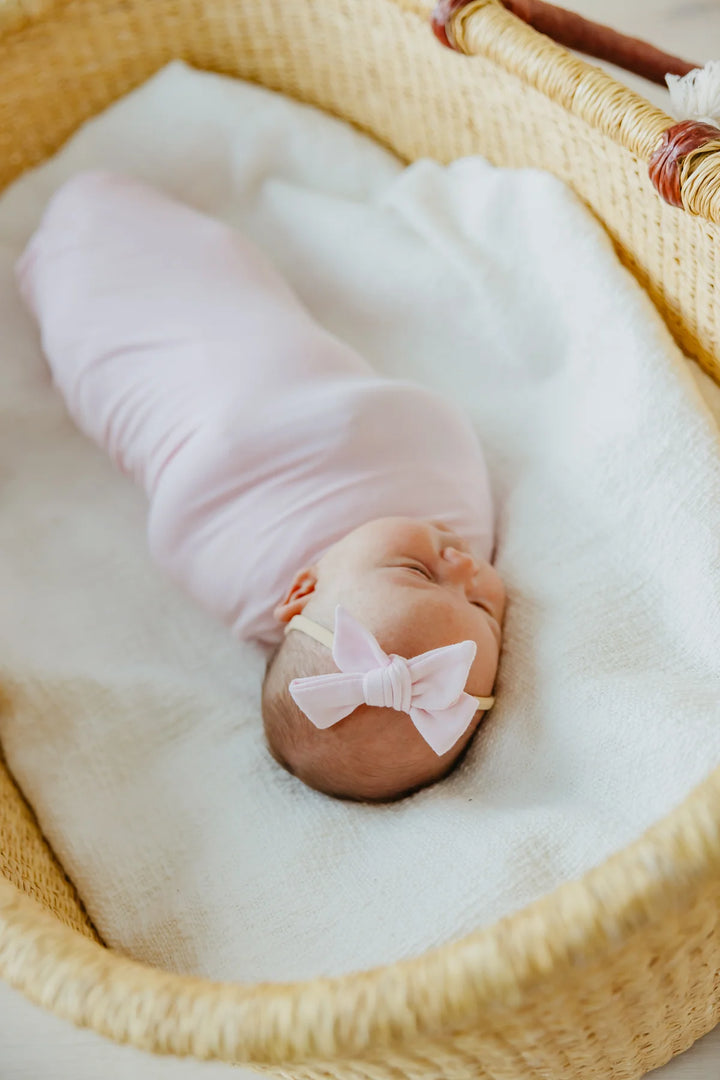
<point x="608" y="976"/>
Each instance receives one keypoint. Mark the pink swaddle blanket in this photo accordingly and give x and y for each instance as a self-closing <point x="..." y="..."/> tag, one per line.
<point x="259" y="438"/>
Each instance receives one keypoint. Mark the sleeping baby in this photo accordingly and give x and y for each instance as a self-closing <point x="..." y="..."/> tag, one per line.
<point x="341" y="520"/>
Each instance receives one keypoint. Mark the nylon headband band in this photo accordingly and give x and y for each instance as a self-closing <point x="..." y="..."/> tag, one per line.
<point x="312" y="629"/>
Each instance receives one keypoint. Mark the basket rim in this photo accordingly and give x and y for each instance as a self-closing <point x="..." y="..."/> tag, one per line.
<point x="449" y="987"/>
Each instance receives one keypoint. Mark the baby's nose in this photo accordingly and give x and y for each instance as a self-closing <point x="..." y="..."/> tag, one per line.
<point x="462" y="565"/>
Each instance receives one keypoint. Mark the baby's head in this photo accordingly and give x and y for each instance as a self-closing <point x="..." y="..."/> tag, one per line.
<point x="415" y="586"/>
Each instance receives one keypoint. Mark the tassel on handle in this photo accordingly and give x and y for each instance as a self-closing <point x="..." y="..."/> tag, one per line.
<point x="696" y="96"/>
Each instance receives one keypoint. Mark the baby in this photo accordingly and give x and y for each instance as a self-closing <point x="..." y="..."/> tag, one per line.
<point x="341" y="520"/>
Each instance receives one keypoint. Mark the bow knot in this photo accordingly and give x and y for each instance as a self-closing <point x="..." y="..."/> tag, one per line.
<point x="389" y="687"/>
<point x="429" y="687"/>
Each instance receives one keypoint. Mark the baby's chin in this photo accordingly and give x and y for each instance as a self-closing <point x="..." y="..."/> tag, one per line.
<point x="371" y="756"/>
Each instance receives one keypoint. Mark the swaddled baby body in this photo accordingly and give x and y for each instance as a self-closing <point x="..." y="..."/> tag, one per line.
<point x="340" y="519"/>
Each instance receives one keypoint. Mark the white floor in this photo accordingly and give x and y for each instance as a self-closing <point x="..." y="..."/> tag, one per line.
<point x="35" y="1045"/>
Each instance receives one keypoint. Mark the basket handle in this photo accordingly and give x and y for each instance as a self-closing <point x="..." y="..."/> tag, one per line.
<point x="575" y="32"/>
<point x="682" y="158"/>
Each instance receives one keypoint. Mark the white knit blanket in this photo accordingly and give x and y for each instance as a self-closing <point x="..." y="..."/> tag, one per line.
<point x="134" y="726"/>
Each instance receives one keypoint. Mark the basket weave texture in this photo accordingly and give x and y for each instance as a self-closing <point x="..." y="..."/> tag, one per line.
<point x="608" y="976"/>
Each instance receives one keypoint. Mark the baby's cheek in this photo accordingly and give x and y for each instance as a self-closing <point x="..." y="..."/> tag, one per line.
<point x="485" y="665"/>
<point x="498" y="593"/>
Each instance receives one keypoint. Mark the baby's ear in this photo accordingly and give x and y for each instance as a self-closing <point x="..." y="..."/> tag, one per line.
<point x="302" y="588"/>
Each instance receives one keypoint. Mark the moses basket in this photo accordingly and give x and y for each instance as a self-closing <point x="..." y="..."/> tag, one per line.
<point x="610" y="975"/>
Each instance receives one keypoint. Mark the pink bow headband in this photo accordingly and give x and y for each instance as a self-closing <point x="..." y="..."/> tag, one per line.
<point x="429" y="687"/>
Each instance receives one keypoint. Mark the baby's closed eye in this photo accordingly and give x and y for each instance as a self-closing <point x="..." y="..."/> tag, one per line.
<point x="419" y="568"/>
<point x="422" y="570"/>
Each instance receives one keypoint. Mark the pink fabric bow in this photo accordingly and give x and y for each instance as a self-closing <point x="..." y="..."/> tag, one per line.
<point x="430" y="687"/>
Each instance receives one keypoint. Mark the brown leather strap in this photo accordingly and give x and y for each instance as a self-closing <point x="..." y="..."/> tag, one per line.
<point x="677" y="142"/>
<point x="575" y="32"/>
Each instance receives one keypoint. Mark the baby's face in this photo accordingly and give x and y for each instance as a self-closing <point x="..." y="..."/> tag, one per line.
<point x="416" y="586"/>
